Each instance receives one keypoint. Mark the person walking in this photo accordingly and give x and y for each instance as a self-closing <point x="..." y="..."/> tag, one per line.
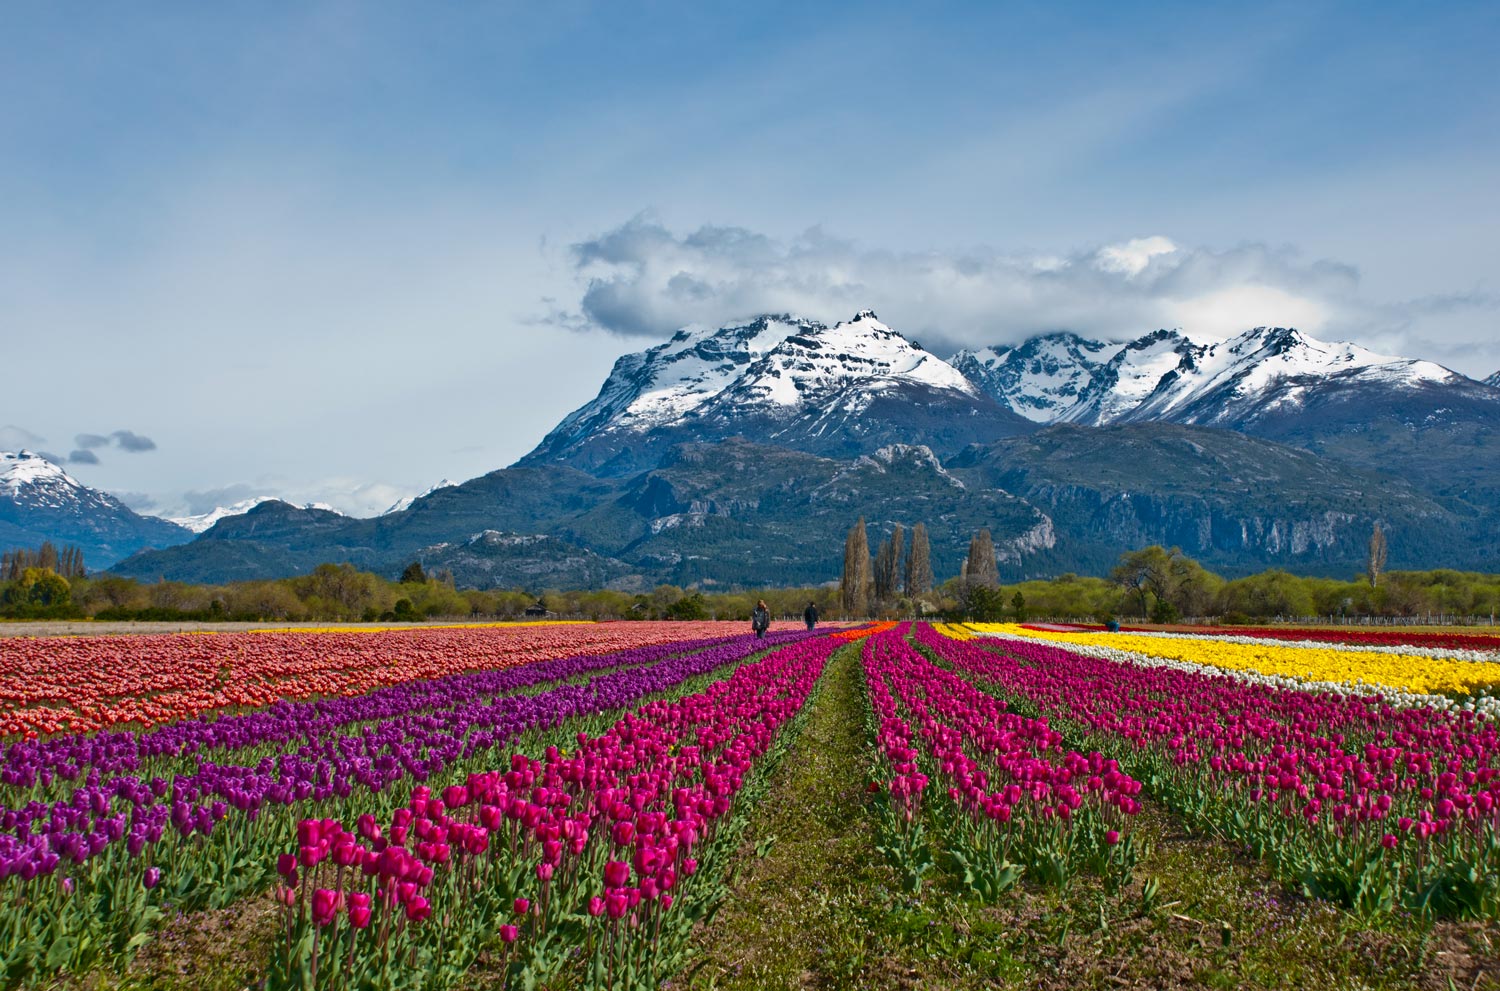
<point x="810" y="615"/>
<point x="760" y="619"/>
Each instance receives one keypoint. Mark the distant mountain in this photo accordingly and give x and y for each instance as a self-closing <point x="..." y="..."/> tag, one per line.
<point x="1493" y="381"/>
<point x="1412" y="419"/>
<point x="405" y="502"/>
<point x="841" y="391"/>
<point x="40" y="501"/>
<point x="729" y="512"/>
<point x="732" y="513"/>
<point x="1223" y="497"/>
<point x="1171" y="377"/>
<point x="740" y="456"/>
<point x="202" y="521"/>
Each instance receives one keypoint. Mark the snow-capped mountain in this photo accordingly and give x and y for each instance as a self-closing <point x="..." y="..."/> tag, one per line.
<point x="406" y="501"/>
<point x="1493" y="381"/>
<point x="205" y="521"/>
<point x="1041" y="378"/>
<point x="1170" y="376"/>
<point x="40" y="501"/>
<point x="849" y="388"/>
<point x="202" y="521"/>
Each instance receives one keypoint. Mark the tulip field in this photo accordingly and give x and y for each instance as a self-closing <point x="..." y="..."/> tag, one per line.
<point x="643" y="805"/>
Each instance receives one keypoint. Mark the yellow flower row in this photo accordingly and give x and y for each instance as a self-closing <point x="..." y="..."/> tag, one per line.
<point x="1404" y="672"/>
<point x="954" y="631"/>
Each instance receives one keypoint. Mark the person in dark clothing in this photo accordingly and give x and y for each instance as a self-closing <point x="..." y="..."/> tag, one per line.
<point x="810" y="615"/>
<point x="760" y="619"/>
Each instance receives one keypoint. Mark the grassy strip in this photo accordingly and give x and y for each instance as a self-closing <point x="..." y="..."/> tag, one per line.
<point x="814" y="905"/>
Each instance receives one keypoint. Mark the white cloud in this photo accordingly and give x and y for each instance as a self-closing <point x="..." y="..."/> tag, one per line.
<point x="1222" y="313"/>
<point x="350" y="496"/>
<point x="643" y="279"/>
<point x="1132" y="257"/>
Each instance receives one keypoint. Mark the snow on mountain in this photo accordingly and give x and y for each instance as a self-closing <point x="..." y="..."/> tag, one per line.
<point x="406" y="501"/>
<point x="1273" y="369"/>
<point x="31" y="479"/>
<point x="845" y="389"/>
<point x="1493" y="381"/>
<point x="203" y="521"/>
<point x="775" y="364"/>
<point x="40" y="501"/>
<point x="806" y="368"/>
<point x="669" y="381"/>
<point x="1040" y="379"/>
<point x="1167" y="375"/>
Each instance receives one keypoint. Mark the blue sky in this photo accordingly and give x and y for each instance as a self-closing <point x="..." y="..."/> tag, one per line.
<point x="333" y="251"/>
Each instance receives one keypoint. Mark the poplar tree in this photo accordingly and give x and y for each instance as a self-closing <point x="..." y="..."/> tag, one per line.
<point x="1377" y="555"/>
<point x="981" y="567"/>
<point x="854" y="587"/>
<point x="919" y="563"/>
<point x="888" y="566"/>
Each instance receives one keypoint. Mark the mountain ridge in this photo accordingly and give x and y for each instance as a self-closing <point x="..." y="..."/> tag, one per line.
<point x="741" y="454"/>
<point x="844" y="389"/>
<point x="40" y="501"/>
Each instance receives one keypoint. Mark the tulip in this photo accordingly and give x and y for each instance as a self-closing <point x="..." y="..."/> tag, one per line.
<point x="616" y="874"/>
<point x="325" y="906"/>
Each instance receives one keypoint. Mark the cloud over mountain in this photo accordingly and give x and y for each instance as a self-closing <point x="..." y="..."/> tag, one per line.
<point x="643" y="279"/>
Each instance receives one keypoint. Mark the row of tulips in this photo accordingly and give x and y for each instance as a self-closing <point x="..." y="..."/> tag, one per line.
<point x="1367" y="804"/>
<point x="1487" y="642"/>
<point x="1409" y="650"/>
<point x="1379" y="669"/>
<point x="1009" y="796"/>
<point x="80" y="684"/>
<point x="202" y="829"/>
<point x="597" y="860"/>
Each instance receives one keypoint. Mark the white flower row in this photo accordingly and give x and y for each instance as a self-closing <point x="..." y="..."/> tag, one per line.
<point x="1484" y="705"/>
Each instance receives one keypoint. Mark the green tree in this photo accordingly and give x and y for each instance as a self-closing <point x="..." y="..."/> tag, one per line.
<point x="982" y="603"/>
<point x="1165" y="583"/>
<point x="1018" y="603"/>
<point x="689" y="607"/>
<point x="413" y="575"/>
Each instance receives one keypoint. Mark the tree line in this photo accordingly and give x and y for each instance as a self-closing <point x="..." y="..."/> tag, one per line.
<point x="1156" y="584"/>
<point x="897" y="581"/>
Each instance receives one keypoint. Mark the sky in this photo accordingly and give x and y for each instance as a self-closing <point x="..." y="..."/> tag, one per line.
<point x="336" y="252"/>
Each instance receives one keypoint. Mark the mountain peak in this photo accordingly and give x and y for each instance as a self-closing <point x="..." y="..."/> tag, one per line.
<point x="41" y="501"/>
<point x="783" y="379"/>
<point x="405" y="502"/>
<point x="1168" y="375"/>
<point x="25" y="468"/>
<point x="1493" y="381"/>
